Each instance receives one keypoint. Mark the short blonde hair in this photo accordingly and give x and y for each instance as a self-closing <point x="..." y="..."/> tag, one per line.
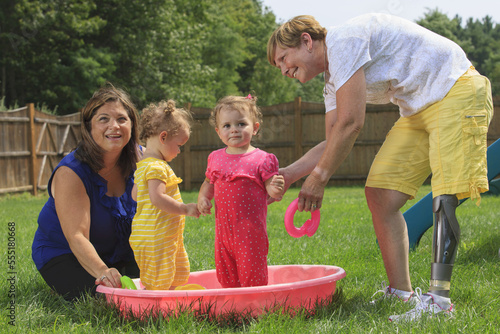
<point x="243" y="104"/>
<point x="288" y="34"/>
<point x="164" y="116"/>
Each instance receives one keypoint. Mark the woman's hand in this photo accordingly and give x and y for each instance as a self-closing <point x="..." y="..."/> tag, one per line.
<point x="110" y="278"/>
<point x="311" y="193"/>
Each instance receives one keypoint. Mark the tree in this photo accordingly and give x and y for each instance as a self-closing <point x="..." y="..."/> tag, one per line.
<point x="158" y="47"/>
<point x="9" y="44"/>
<point x="480" y="39"/>
<point x="49" y="59"/>
<point x="258" y="76"/>
<point x="57" y="52"/>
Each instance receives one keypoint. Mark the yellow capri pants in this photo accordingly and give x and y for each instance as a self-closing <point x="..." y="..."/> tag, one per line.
<point x="447" y="139"/>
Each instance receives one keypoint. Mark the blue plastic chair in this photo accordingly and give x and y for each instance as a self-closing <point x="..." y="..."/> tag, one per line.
<point x="419" y="218"/>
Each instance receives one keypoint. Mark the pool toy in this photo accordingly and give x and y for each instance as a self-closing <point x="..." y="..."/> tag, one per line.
<point x="127" y="283"/>
<point x="190" y="287"/>
<point x="308" y="228"/>
<point x="290" y="286"/>
<point x="419" y="218"/>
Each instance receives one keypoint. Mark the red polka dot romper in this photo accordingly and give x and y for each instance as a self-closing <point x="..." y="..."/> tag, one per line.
<point x="241" y="243"/>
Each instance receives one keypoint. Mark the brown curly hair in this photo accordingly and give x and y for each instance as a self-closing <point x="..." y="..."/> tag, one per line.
<point x="164" y="116"/>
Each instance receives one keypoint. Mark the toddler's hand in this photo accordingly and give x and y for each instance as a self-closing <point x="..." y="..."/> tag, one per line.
<point x="192" y="210"/>
<point x="277" y="188"/>
<point x="204" y="206"/>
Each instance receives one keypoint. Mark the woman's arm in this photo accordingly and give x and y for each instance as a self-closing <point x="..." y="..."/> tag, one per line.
<point x="300" y="168"/>
<point x="346" y="124"/>
<point x="303" y="166"/>
<point x="73" y="209"/>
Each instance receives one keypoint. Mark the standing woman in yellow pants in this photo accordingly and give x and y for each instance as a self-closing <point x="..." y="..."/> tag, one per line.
<point x="445" y="107"/>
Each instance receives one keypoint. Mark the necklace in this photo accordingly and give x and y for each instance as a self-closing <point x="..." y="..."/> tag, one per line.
<point x="326" y="74"/>
<point x="109" y="172"/>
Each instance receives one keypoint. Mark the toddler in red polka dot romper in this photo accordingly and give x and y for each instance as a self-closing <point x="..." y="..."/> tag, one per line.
<point x="239" y="178"/>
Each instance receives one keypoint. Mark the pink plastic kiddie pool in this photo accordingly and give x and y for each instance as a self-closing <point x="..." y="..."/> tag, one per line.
<point x="290" y="286"/>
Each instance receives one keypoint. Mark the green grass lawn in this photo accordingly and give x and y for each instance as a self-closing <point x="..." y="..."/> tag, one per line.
<point x="345" y="238"/>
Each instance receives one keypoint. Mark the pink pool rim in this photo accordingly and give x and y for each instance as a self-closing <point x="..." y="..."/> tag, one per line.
<point x="290" y="287"/>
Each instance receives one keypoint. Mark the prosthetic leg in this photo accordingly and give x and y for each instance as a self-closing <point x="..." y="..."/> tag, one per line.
<point x="445" y="244"/>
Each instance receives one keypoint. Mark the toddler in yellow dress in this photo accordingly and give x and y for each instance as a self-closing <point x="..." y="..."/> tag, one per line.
<point x="158" y="226"/>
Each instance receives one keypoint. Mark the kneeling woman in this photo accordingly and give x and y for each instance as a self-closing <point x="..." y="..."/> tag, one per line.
<point x="84" y="228"/>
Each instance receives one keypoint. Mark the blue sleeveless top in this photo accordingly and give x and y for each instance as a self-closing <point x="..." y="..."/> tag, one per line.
<point x="110" y="222"/>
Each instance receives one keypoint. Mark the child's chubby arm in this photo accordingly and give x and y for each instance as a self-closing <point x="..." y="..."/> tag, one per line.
<point x="166" y="203"/>
<point x="275" y="186"/>
<point x="205" y="197"/>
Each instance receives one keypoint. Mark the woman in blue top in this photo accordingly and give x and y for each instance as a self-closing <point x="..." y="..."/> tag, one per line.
<point x="83" y="229"/>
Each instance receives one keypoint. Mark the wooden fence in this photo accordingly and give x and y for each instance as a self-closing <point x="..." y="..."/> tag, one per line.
<point x="34" y="142"/>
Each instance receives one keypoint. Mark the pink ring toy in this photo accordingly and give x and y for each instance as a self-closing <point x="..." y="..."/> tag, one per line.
<point x="309" y="227"/>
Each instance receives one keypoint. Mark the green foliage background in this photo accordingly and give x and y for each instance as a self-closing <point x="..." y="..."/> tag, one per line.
<point x="57" y="52"/>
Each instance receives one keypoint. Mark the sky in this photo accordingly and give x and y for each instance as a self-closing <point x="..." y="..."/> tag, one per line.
<point x="335" y="12"/>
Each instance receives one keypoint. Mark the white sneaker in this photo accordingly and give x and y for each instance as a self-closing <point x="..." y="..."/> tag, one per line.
<point x="430" y="304"/>
<point x="391" y="293"/>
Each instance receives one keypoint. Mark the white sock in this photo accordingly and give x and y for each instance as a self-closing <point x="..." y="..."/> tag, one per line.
<point x="401" y="293"/>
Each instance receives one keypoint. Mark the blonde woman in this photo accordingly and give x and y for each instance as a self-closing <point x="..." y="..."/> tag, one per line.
<point x="445" y="107"/>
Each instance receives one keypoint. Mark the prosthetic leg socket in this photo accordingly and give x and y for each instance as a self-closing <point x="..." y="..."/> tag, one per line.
<point x="445" y="243"/>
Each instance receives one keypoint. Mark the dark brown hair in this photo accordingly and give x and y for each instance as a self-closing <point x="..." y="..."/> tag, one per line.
<point x="92" y="154"/>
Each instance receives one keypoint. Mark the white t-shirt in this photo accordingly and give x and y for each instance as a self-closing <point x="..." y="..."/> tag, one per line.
<point x="403" y="62"/>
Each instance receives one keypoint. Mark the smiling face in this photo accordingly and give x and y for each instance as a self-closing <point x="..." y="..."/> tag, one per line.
<point x="303" y="62"/>
<point x="236" y="129"/>
<point x="111" y="127"/>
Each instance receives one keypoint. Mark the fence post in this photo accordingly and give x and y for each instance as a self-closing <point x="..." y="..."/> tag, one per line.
<point x="33" y="160"/>
<point x="297" y="107"/>
<point x="187" y="159"/>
